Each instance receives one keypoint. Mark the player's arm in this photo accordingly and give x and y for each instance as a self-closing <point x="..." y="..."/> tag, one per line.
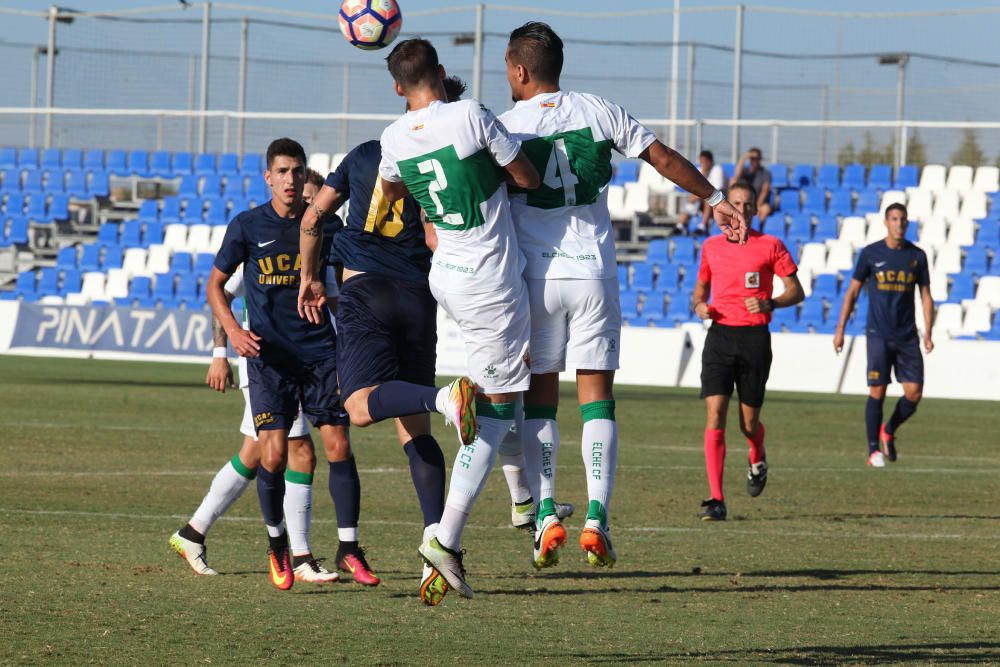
<point x="430" y="234"/>
<point x="394" y="190"/>
<point x="673" y="166"/>
<point x="793" y="295"/>
<point x="738" y="171"/>
<point x="699" y="300"/>
<point x="850" y="298"/>
<point x="244" y="341"/>
<point x="765" y="191"/>
<point x="522" y="173"/>
<point x="220" y="373"/>
<point x="312" y="291"/>
<point x="928" y="305"/>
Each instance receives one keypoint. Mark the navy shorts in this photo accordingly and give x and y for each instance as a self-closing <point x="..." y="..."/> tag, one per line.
<point x="902" y="355"/>
<point x="277" y="389"/>
<point x="736" y="356"/>
<point x="386" y="330"/>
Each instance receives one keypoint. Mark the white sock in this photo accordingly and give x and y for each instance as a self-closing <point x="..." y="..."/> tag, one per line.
<point x="600" y="458"/>
<point x="226" y="488"/>
<point x="298" y="513"/>
<point x="429" y="531"/>
<point x="542" y="435"/>
<point x="441" y="402"/>
<point x="347" y="534"/>
<point x="449" y="531"/>
<point x="512" y="458"/>
<point x="276" y="531"/>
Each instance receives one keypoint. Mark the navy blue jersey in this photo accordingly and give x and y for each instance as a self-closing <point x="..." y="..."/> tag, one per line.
<point x="377" y="238"/>
<point x="268" y="247"/>
<point x="892" y="276"/>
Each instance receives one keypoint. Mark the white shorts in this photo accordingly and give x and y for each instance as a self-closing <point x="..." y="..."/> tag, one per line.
<point x="575" y="322"/>
<point x="300" y="427"/>
<point x="495" y="327"/>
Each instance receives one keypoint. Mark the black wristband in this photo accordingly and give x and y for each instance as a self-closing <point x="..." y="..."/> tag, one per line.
<point x="772" y="304"/>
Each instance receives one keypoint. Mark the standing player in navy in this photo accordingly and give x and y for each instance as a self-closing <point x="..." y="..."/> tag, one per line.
<point x="289" y="361"/>
<point x="387" y="323"/>
<point x="892" y="268"/>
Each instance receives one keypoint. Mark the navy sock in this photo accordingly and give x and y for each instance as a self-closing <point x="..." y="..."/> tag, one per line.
<point x="873" y="422"/>
<point x="904" y="410"/>
<point x="427" y="472"/>
<point x="345" y="489"/>
<point x="271" y="493"/>
<point x="397" y="398"/>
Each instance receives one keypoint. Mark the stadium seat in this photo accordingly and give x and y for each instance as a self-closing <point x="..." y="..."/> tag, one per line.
<point x="98" y="185"/>
<point x="828" y="177"/>
<point x="112" y="257"/>
<point x="138" y="164"/>
<point x="854" y="177"/>
<point x="987" y="179"/>
<point x="94" y="161"/>
<point x="933" y="232"/>
<point x="175" y="237"/>
<point x="149" y="211"/>
<point x="134" y="261"/>
<point x="962" y="232"/>
<point x="669" y="278"/>
<point x="211" y="186"/>
<point x="775" y="226"/>
<point x="160" y="164"/>
<point x="236" y="206"/>
<point x="8" y="158"/>
<point x="72" y="280"/>
<point x="152" y="234"/>
<point x="55" y="180"/>
<point x="826" y="286"/>
<point x="163" y="286"/>
<point x="117" y="163"/>
<point x="826" y="227"/>
<point x="789" y="202"/>
<point x="636" y="197"/>
<point x="116" y="285"/>
<point x="630" y="304"/>
<point x="170" y="214"/>
<point x="839" y="257"/>
<point x="258" y="191"/>
<point x="215" y="214"/>
<point x="27" y="158"/>
<point x="204" y="262"/>
<point x="252" y="164"/>
<point x="959" y="179"/>
<point x="72" y="158"/>
<point x="939" y="287"/>
<point x="868" y="201"/>
<point x="978" y="318"/>
<point x="841" y="202"/>
<point x="800" y="229"/>
<point x="188" y="186"/>
<point x="890" y="197"/>
<point x="626" y="171"/>
<point x="15" y="204"/>
<point x="783" y="316"/>
<point x="976" y="261"/>
<point x="140" y="289"/>
<point x="683" y="251"/>
<point x="93" y="286"/>
<point x="948" y="320"/>
<point x="622" y="277"/>
<point x="205" y="164"/>
<point x="813" y="257"/>
<point x="17" y="234"/>
<point x="880" y="177"/>
<point x="932" y="178"/>
<point x="131" y="234"/>
<point x="107" y="234"/>
<point x="219" y="233"/>
<point x="32" y="183"/>
<point x="11" y="181"/>
<point x="962" y="288"/>
<point x="779" y="175"/>
<point x="679" y="310"/>
<point x="193" y="210"/>
<point x="233" y="186"/>
<point x="182" y="164"/>
<point x="815" y="200"/>
<point x="945" y="205"/>
<point x="229" y="164"/>
<point x="52" y="159"/>
<point x="158" y="259"/>
<point x="988" y="291"/>
<point x="812" y="311"/>
<point x="187" y="289"/>
<point x="48" y="282"/>
<point x="920" y="204"/>
<point x="66" y="259"/>
<point x="76" y="185"/>
<point x="59" y="207"/>
<point x="658" y="252"/>
<point x="199" y="238"/>
<point x="642" y="277"/>
<point x="320" y="162"/>
<point x="802" y="176"/>
<point x="181" y="262"/>
<point x="25" y="283"/>
<point x="988" y="235"/>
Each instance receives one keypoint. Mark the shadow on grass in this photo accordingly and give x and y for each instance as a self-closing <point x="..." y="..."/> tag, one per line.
<point x="815" y="573"/>
<point x="738" y="587"/>
<point x="932" y="652"/>
<point x="853" y="516"/>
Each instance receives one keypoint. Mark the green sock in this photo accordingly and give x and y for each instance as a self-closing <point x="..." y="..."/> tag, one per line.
<point x="546" y="508"/>
<point x="597" y="512"/>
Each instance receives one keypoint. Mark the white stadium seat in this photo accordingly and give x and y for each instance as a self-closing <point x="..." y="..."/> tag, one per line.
<point x="988" y="291"/>
<point x="93" y="286"/>
<point x="636" y="197"/>
<point x="930" y="251"/>
<point x="320" y="162"/>
<point x="651" y="178"/>
<point x="778" y="286"/>
<point x="77" y="299"/>
<point x="890" y="197"/>
<point x="962" y="231"/>
<point x="175" y="237"/>
<point x="116" y="286"/>
<point x="840" y="257"/>
<point x="932" y="178"/>
<point x="919" y="205"/>
<point x="51" y="300"/>
<point x="806" y="279"/>
<point x="948" y="259"/>
<point x="948" y="320"/>
<point x="335" y="162"/>
<point x="945" y="205"/>
<point x="939" y="287"/>
<point x="813" y="257"/>
<point x="974" y="205"/>
<point x="933" y="232"/>
<point x="987" y="179"/>
<point x="135" y="262"/>
<point x="616" y="203"/>
<point x="218" y="233"/>
<point x="978" y="318"/>
<point x="960" y="178"/>
<point x="199" y="238"/>
<point x="853" y="230"/>
<point x="158" y="260"/>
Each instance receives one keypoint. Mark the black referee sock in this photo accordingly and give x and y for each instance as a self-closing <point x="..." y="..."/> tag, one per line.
<point x="873" y="422"/>
<point x="904" y="410"/>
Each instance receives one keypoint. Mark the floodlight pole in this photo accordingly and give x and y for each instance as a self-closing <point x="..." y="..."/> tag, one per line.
<point x="477" y="57"/>
<point x="689" y="98"/>
<point x="206" y="23"/>
<point x="675" y="52"/>
<point x="242" y="94"/>
<point x="737" y="82"/>
<point x="33" y="127"/>
<point x="50" y="73"/>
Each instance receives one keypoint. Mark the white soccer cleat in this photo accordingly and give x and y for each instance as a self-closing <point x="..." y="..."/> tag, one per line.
<point x="448" y="563"/>
<point x="195" y="554"/>
<point x="314" y="573"/>
<point x="876" y="460"/>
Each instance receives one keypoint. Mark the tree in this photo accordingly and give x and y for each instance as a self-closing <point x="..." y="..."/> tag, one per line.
<point x="847" y="155"/>
<point x="871" y="154"/>
<point x="916" y="151"/>
<point x="969" y="152"/>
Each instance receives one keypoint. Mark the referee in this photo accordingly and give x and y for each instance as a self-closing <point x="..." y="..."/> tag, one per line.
<point x="738" y="346"/>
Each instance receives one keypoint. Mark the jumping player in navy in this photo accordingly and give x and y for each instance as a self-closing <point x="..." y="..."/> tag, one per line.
<point x="289" y="360"/>
<point x="893" y="268"/>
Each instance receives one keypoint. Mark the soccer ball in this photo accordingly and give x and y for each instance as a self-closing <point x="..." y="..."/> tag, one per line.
<point x="370" y="24"/>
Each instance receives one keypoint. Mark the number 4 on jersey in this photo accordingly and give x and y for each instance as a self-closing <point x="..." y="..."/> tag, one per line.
<point x="558" y="174"/>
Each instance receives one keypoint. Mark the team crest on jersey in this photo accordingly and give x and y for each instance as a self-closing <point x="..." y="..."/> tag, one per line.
<point x="417" y="127"/>
<point x="751" y="279"/>
<point x="490" y="371"/>
<point x="548" y="105"/>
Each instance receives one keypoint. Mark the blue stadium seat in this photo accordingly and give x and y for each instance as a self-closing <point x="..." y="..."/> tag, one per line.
<point x="783" y="316"/>
<point x="988" y="235"/>
<point x="48" y="282"/>
<point x="36" y="209"/>
<point x="15" y="204"/>
<point x="182" y="163"/>
<point x="658" y="252"/>
<point x="107" y="234"/>
<point x="880" y="177"/>
<point x="257" y="190"/>
<point x="99" y="185"/>
<point x="76" y="185"/>
<point x="32" y="183"/>
<point x="679" y="309"/>
<point x="854" y="176"/>
<point x="152" y="234"/>
<point x="25" y="282"/>
<point x="112" y="259"/>
<point x="216" y="213"/>
<point x="962" y="287"/>
<point x="117" y="163"/>
<point x="188" y="186"/>
<point x="236" y="206"/>
<point x="163" y="286"/>
<point x="194" y="211"/>
<point x="52" y="158"/>
<point x="8" y="158"/>
<point x="669" y="279"/>
<point x="159" y="164"/>
<point x="906" y="177"/>
<point x="789" y="203"/>
<point x="775" y="226"/>
<point x="654" y="307"/>
<point x="800" y="230"/>
<point x="180" y="263"/>
<point x="94" y="161"/>
<point x="642" y="277"/>
<point x="779" y="175"/>
<point x="187" y="289"/>
<point x="72" y="281"/>
<point x="622" y="277"/>
<point x="149" y="210"/>
<point x="211" y="186"/>
<point x="229" y="164"/>
<point x="205" y="164"/>
<point x="826" y="287"/>
<point x="828" y="176"/>
<point x="233" y="187"/>
<point x="683" y="253"/>
<point x="630" y="304"/>
<point x="72" y="158"/>
<point x="66" y="259"/>
<point x="55" y="180"/>
<point x="140" y="289"/>
<point x="728" y="168"/>
<point x="11" y="181"/>
<point x="868" y="201"/>
<point x="815" y="200"/>
<point x="203" y="263"/>
<point x="27" y="158"/>
<point x="252" y="164"/>
<point x="976" y="261"/>
<point x="131" y="234"/>
<point x="812" y="311"/>
<point x="59" y="207"/>
<point x="138" y="163"/>
<point x="826" y="227"/>
<point x="626" y="171"/>
<point x="18" y="232"/>
<point x="802" y="176"/>
<point x="91" y="258"/>
<point x="841" y="202"/>
<point x="171" y="212"/>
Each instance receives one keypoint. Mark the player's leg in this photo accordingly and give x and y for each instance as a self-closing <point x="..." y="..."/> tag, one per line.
<point x="298" y="504"/>
<point x="515" y="472"/>
<point x="752" y="371"/>
<point x="878" y="378"/>
<point x="909" y="364"/>
<point x="718" y="378"/>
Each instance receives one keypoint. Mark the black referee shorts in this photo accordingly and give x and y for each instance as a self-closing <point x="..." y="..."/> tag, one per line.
<point x="739" y="356"/>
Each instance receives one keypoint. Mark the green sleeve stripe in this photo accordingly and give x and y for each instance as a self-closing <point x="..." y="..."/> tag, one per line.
<point x="540" y="412"/>
<point x="598" y="410"/>
<point x="494" y="410"/>
<point x="242" y="469"/>
<point x="296" y="477"/>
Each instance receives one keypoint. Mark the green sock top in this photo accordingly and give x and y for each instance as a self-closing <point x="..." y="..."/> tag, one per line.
<point x="598" y="410"/>
<point x="242" y="469"/>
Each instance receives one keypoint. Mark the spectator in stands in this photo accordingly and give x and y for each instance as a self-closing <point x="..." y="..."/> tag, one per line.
<point x="751" y="171"/>
<point x="695" y="206"/>
<point x="314" y="181"/>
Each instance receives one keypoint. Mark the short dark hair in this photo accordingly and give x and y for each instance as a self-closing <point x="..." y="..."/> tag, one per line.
<point x="537" y="46"/>
<point x="754" y="149"/>
<point x="314" y="177"/>
<point x="743" y="185"/>
<point x="897" y="207"/>
<point x="287" y="147"/>
<point x="413" y="62"/>
<point x="707" y="154"/>
<point x="453" y="88"/>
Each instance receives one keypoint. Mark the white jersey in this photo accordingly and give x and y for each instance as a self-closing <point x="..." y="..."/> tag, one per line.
<point x="563" y="227"/>
<point x="450" y="157"/>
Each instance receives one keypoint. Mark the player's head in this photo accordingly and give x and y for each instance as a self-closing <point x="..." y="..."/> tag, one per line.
<point x="743" y="198"/>
<point x="534" y="56"/>
<point x="454" y="88"/>
<point x="706" y="160"/>
<point x="314" y="181"/>
<point x="413" y="64"/>
<point x="896" y="221"/>
<point x="286" y="170"/>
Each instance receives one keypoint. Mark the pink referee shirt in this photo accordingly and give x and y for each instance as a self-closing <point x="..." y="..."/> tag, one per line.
<point x="736" y="272"/>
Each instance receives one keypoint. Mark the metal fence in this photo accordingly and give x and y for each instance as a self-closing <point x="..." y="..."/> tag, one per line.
<point x="864" y="81"/>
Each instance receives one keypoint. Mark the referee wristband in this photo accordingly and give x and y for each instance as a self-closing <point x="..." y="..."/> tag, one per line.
<point x="715" y="198"/>
<point x="219" y="353"/>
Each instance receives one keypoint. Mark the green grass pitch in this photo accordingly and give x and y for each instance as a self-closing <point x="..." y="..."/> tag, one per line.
<point x="834" y="564"/>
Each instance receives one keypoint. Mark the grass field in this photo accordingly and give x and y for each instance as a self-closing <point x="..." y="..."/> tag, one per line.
<point x="833" y="564"/>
